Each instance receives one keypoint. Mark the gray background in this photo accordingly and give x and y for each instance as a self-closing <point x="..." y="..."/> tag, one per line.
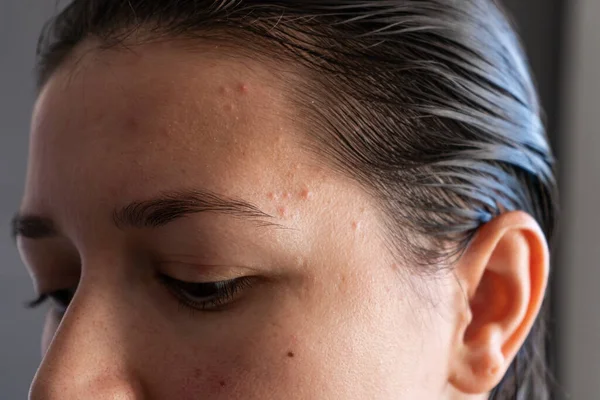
<point x="20" y="330"/>
<point x="570" y="80"/>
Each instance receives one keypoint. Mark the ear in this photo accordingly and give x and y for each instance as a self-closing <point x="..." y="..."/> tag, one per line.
<point x="503" y="275"/>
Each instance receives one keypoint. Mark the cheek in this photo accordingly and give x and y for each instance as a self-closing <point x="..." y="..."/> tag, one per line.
<point x="293" y="349"/>
<point x="242" y="367"/>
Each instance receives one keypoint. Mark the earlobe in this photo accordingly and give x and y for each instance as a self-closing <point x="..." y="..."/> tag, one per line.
<point x="503" y="276"/>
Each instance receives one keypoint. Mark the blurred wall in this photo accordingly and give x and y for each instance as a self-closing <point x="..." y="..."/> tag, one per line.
<point x="577" y="145"/>
<point x="579" y="312"/>
<point x="20" y="23"/>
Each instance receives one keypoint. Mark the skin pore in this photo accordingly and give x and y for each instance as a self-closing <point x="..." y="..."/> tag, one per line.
<point x="326" y="312"/>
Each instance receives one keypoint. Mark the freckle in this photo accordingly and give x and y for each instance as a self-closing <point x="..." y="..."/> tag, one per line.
<point x="223" y="90"/>
<point x="228" y="107"/>
<point x="290" y="354"/>
<point x="281" y="211"/>
<point x="305" y="194"/>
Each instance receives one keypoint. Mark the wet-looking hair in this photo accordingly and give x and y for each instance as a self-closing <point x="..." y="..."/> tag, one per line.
<point x="427" y="104"/>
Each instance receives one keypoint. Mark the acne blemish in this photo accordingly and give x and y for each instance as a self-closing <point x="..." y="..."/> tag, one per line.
<point x="271" y="196"/>
<point x="222" y="383"/>
<point x="355" y="225"/>
<point x="244" y="88"/>
<point x="281" y="211"/>
<point x="131" y="124"/>
<point x="305" y="194"/>
<point x="290" y="354"/>
<point x="287" y="195"/>
<point x="228" y="107"/>
<point x="223" y="90"/>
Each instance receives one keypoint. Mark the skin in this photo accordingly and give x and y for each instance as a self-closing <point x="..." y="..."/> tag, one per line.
<point x="331" y="314"/>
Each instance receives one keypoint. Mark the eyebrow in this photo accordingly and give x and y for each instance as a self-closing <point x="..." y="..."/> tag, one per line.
<point x="32" y="227"/>
<point x="153" y="213"/>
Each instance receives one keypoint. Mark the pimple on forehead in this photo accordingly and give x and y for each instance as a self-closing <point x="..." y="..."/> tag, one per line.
<point x="131" y="124"/>
<point x="229" y="91"/>
<point x="305" y="194"/>
<point x="242" y="88"/>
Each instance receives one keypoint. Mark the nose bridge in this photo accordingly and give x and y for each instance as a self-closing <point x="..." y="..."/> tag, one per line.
<point x="88" y="356"/>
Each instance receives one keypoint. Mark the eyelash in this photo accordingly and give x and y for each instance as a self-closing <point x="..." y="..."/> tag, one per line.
<point x="220" y="294"/>
<point x="60" y="299"/>
<point x="215" y="295"/>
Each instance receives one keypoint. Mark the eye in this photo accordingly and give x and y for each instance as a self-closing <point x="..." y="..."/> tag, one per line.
<point x="206" y="296"/>
<point x="59" y="299"/>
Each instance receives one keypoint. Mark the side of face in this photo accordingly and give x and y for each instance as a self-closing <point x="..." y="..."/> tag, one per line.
<point x="326" y="313"/>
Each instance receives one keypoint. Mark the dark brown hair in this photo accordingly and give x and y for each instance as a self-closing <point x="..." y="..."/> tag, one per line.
<point x="427" y="104"/>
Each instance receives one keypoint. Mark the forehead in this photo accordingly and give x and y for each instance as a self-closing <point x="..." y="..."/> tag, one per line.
<point x="132" y="121"/>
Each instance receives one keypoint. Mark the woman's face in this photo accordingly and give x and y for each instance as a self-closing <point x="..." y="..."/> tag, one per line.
<point x="153" y="167"/>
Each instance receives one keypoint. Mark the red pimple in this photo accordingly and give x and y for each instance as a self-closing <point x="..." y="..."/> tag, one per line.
<point x="281" y="211"/>
<point x="305" y="194"/>
<point x="244" y="88"/>
<point x="355" y="225"/>
<point x="131" y="124"/>
<point x="287" y="195"/>
<point x="271" y="196"/>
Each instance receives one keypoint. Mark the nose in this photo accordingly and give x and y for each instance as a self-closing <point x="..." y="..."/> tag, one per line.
<point x="88" y="356"/>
